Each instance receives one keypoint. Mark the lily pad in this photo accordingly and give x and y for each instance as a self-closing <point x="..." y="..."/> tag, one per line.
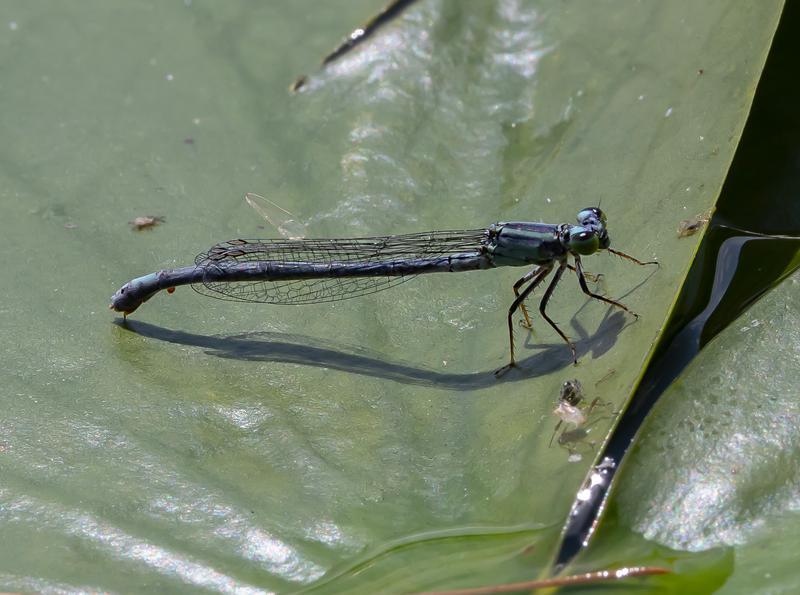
<point x="242" y="447"/>
<point x="717" y="462"/>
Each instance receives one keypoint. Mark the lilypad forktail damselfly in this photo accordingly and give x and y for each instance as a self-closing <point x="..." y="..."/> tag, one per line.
<point x="307" y="271"/>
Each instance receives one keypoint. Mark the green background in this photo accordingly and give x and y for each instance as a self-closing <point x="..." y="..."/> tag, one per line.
<point x="237" y="447"/>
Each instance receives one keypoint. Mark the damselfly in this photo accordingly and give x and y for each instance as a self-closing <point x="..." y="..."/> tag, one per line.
<point x="306" y="271"/>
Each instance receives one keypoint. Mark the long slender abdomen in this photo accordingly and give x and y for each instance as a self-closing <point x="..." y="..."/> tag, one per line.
<point x="291" y="271"/>
<point x="137" y="291"/>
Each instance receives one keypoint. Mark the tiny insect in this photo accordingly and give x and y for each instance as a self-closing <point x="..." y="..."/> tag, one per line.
<point x="689" y="227"/>
<point x="145" y="222"/>
<point x="572" y="413"/>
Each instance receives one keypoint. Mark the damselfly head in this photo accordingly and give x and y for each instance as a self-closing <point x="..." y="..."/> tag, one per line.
<point x="594" y="219"/>
<point x="592" y="216"/>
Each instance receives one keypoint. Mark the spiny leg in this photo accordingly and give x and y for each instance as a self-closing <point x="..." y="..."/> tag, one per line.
<point x="543" y="305"/>
<point x="585" y="289"/>
<point x="631" y="258"/>
<point x="591" y="276"/>
<point x="537" y="277"/>
<point x="528" y="276"/>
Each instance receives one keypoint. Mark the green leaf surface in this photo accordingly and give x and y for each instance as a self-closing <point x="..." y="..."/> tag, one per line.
<point x="717" y="464"/>
<point x="237" y="447"/>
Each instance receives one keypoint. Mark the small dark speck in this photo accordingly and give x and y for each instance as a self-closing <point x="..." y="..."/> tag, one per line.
<point x="298" y="84"/>
<point x="700" y="72"/>
<point x="188" y="140"/>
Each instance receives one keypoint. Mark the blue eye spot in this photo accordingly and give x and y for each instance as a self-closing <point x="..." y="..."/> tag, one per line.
<point x="592" y="215"/>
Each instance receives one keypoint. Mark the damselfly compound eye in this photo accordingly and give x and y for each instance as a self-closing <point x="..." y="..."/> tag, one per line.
<point x="584" y="242"/>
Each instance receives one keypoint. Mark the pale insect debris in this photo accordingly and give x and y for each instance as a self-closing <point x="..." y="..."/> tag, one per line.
<point x="689" y="227"/>
<point x="145" y="222"/>
<point x="575" y="415"/>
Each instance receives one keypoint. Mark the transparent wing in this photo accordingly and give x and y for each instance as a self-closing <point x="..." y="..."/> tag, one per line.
<point x="281" y="219"/>
<point x="326" y="289"/>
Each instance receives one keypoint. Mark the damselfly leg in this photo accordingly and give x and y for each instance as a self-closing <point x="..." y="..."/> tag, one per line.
<point x="526" y="323"/>
<point x="536" y="276"/>
<point x="594" y="278"/>
<point x="543" y="305"/>
<point x="585" y="289"/>
<point x="528" y="276"/>
<point x="632" y="259"/>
